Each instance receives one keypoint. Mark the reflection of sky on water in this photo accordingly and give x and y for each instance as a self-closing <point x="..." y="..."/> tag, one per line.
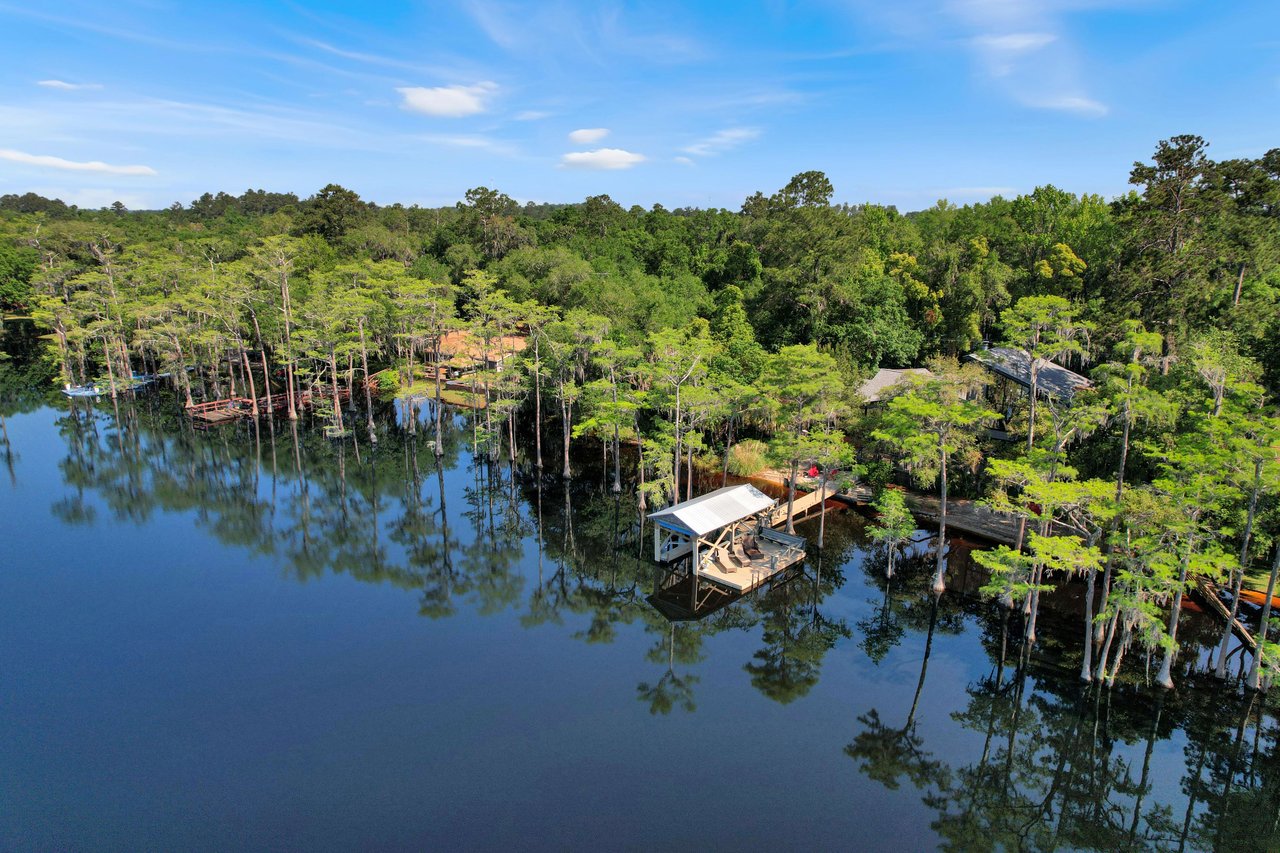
<point x="221" y="658"/>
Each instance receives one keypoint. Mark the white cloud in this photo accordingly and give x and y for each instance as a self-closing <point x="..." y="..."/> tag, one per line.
<point x="685" y="161"/>
<point x="532" y="115"/>
<point x="448" y="101"/>
<point x="67" y="87"/>
<point x="722" y="140"/>
<point x="1073" y="104"/>
<point x="482" y="142"/>
<point x="72" y="165"/>
<point x="1001" y="52"/>
<point x="584" y="32"/>
<point x="1022" y="49"/>
<point x="1015" y="42"/>
<point x="588" y="135"/>
<point x="601" y="158"/>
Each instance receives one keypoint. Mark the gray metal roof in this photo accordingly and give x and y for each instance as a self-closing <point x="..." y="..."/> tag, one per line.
<point x="875" y="388"/>
<point x="715" y="510"/>
<point x="1052" y="380"/>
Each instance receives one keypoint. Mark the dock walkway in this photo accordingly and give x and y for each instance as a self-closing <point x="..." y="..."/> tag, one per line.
<point x="963" y="515"/>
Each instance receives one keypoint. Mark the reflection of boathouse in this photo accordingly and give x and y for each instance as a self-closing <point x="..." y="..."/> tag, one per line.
<point x="719" y="546"/>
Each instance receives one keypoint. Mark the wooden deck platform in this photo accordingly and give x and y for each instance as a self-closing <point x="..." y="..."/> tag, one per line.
<point x="215" y="412"/>
<point x="777" y="557"/>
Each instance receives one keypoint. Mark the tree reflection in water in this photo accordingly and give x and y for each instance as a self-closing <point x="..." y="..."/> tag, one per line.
<point x="1054" y="764"/>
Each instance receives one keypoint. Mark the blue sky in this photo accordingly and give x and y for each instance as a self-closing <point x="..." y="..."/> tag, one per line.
<point x="899" y="102"/>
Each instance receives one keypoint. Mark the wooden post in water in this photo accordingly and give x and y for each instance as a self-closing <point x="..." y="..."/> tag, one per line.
<point x="693" y="576"/>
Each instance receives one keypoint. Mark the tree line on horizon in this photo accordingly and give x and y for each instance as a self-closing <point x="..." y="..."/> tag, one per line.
<point x="684" y="332"/>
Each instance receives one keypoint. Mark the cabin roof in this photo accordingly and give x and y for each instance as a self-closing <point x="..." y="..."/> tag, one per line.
<point x="877" y="387"/>
<point x="714" y="510"/>
<point x="1053" y="380"/>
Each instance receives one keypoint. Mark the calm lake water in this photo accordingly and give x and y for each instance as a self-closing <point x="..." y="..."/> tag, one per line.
<point x="242" y="639"/>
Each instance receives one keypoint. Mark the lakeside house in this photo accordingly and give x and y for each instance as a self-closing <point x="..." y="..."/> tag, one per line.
<point x="879" y="387"/>
<point x="463" y="352"/>
<point x="1014" y="365"/>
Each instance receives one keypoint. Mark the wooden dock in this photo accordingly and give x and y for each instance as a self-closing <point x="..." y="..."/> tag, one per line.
<point x="227" y="409"/>
<point x="778" y="552"/>
<point x="717" y="552"/>
<point x="963" y="516"/>
<point x="805" y="504"/>
<point x="215" y="412"/>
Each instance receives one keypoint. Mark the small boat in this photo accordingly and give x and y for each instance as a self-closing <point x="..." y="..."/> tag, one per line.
<point x="82" y="391"/>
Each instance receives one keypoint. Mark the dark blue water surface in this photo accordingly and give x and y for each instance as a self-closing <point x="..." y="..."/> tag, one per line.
<point x="264" y="639"/>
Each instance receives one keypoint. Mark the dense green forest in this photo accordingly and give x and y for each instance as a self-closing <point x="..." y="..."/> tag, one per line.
<point x="709" y="336"/>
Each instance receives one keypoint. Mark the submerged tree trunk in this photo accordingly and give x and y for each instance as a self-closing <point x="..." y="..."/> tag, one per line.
<point x="566" y="412"/>
<point x="1165" y="676"/>
<point x="1106" y="647"/>
<point x="291" y="391"/>
<point x="1086" y="665"/>
<point x="248" y="375"/>
<point x="675" y="490"/>
<point x="368" y="393"/>
<point x="939" y="583"/>
<point x="439" y="447"/>
<point x="1237" y="579"/>
<point x="791" y="496"/>
<point x="822" y="510"/>
<point x="333" y="375"/>
<point x="537" y="404"/>
<point x="1255" y="671"/>
<point x="688" y="480"/>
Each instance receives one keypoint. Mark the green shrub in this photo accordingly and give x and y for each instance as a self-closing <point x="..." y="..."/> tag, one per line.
<point x="878" y="474"/>
<point x="747" y="457"/>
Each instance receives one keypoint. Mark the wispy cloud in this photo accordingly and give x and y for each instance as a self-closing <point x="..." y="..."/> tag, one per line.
<point x="1073" y="104"/>
<point x="721" y="140"/>
<point x="597" y="33"/>
<point x="484" y="143"/>
<point x="366" y="58"/>
<point x="448" y="101"/>
<point x="67" y="87"/>
<point x="684" y="161"/>
<point x="48" y="162"/>
<point x="1001" y="52"/>
<point x="601" y="158"/>
<point x="532" y="115"/>
<point x="588" y="135"/>
<point x="1020" y="48"/>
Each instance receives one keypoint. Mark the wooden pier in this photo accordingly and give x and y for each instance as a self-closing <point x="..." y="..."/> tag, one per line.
<point x="739" y="571"/>
<point x="227" y="409"/>
<point x="804" y="505"/>
<point x="215" y="412"/>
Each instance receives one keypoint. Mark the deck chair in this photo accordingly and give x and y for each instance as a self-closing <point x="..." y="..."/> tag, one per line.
<point x="752" y="549"/>
<point x="740" y="553"/>
<point x="723" y="561"/>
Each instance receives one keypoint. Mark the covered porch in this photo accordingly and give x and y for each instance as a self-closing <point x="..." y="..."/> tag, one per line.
<point x="726" y="539"/>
